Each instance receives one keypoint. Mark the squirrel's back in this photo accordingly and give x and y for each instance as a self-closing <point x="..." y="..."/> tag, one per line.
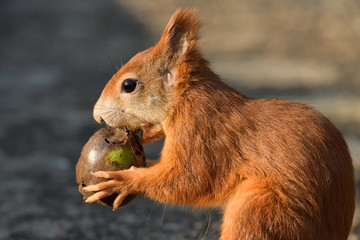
<point x="287" y="160"/>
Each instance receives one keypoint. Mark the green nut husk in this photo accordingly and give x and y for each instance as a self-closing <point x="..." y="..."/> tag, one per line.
<point x="124" y="157"/>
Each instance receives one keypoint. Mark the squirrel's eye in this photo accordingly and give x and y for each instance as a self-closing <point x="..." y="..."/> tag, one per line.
<point x="129" y="85"/>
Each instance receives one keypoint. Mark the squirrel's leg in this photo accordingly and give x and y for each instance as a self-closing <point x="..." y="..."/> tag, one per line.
<point x="163" y="182"/>
<point x="238" y="215"/>
<point x="256" y="211"/>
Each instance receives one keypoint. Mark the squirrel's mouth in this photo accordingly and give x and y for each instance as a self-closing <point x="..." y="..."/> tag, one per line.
<point x="127" y="128"/>
<point x="132" y="129"/>
<point x="137" y="127"/>
<point x="123" y="124"/>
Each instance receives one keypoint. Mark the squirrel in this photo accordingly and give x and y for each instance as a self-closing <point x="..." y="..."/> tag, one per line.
<point x="278" y="169"/>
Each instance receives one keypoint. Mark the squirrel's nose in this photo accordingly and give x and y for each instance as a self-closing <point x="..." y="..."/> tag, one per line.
<point x="97" y="114"/>
<point x="99" y="119"/>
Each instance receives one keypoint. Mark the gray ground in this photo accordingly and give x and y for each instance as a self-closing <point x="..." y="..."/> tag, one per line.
<point x="55" y="58"/>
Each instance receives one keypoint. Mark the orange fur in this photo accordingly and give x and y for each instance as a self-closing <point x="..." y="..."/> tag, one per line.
<point x="279" y="169"/>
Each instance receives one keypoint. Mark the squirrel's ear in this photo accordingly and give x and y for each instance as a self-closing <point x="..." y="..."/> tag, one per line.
<point x="180" y="34"/>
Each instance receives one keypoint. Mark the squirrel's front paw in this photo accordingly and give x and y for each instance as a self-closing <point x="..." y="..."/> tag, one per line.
<point x="118" y="184"/>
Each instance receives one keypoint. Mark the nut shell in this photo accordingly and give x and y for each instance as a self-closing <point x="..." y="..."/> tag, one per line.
<point x="98" y="155"/>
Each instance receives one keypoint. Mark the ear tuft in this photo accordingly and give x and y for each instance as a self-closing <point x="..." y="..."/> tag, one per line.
<point x="184" y="19"/>
<point x="180" y="34"/>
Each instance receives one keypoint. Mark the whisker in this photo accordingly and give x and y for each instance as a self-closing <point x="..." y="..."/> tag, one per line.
<point x="148" y="218"/>
<point x="208" y="225"/>
<point x="80" y="109"/>
<point x="216" y="229"/>
<point x="112" y="116"/>
<point x="106" y="107"/>
<point x="112" y="64"/>
<point x="106" y="111"/>
<point x="107" y="75"/>
<point x="162" y="217"/>
<point x="104" y="114"/>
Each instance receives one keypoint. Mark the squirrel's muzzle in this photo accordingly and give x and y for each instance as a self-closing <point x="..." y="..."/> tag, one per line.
<point x="98" y="111"/>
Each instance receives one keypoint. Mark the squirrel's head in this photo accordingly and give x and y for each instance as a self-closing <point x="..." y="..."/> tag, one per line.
<point x="142" y="91"/>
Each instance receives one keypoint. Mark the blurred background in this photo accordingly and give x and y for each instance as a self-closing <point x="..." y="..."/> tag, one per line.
<point x="56" y="57"/>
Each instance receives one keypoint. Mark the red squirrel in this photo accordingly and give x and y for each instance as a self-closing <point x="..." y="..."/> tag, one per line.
<point x="278" y="169"/>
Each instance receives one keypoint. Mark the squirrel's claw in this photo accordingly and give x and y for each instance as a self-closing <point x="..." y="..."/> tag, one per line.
<point x="119" y="199"/>
<point x="99" y="195"/>
<point x="104" y="189"/>
<point x="101" y="186"/>
<point x="106" y="174"/>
